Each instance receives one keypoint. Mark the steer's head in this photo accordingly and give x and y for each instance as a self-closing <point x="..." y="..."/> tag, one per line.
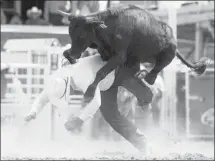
<point x="82" y="32"/>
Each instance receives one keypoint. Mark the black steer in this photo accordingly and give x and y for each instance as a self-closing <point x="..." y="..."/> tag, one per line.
<point x="125" y="35"/>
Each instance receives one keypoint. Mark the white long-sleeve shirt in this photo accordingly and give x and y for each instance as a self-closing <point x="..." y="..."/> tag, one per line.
<point x="79" y="76"/>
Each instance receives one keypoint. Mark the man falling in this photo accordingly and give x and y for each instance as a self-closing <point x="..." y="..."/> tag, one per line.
<point x="79" y="76"/>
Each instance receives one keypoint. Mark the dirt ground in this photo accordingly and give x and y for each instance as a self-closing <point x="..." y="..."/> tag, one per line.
<point x="28" y="142"/>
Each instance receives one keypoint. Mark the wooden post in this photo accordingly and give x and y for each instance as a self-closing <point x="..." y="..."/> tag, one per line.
<point x="172" y="20"/>
<point x="168" y="113"/>
<point x="108" y="4"/>
<point x="17" y="6"/>
<point x="198" y="41"/>
<point x="46" y="10"/>
<point x="74" y="6"/>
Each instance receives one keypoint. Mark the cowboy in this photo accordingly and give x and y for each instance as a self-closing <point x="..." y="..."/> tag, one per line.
<point x="80" y="75"/>
<point x="34" y="17"/>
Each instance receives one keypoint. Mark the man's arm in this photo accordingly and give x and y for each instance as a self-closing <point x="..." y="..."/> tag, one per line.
<point x="37" y="106"/>
<point x="91" y="108"/>
<point x="40" y="102"/>
<point x="75" y="123"/>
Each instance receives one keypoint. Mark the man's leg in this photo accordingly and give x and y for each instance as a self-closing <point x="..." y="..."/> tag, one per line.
<point x="118" y="122"/>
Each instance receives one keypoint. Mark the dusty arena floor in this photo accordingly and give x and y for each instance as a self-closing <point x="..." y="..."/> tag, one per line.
<point x="27" y="143"/>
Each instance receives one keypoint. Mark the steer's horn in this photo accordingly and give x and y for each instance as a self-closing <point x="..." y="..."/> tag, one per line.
<point x="94" y="20"/>
<point x="64" y="13"/>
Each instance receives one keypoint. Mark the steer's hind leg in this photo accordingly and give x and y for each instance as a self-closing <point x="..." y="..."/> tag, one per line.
<point x="164" y="58"/>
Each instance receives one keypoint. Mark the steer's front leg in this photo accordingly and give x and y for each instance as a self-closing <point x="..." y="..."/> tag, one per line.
<point x="112" y="64"/>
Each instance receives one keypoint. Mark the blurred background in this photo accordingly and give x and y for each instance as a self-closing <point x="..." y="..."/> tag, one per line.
<point x="34" y="34"/>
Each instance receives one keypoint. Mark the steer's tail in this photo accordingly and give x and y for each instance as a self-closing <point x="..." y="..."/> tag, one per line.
<point x="198" y="67"/>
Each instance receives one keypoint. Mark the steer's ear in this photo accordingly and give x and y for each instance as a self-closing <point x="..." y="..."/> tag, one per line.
<point x="93" y="20"/>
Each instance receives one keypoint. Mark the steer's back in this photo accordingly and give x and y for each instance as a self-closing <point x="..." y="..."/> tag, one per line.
<point x="136" y="28"/>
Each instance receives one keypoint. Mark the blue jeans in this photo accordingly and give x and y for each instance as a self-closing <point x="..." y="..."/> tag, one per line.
<point x="109" y="109"/>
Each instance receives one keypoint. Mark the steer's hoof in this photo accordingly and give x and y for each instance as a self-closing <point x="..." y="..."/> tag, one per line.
<point x="150" y="79"/>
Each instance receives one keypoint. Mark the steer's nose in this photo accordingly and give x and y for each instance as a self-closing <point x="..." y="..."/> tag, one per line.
<point x="67" y="54"/>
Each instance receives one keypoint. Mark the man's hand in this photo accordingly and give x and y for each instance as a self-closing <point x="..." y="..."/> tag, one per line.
<point x="30" y="117"/>
<point x="74" y="124"/>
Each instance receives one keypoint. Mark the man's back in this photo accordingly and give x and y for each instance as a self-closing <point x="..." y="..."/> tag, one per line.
<point x="84" y="72"/>
<point x="78" y="76"/>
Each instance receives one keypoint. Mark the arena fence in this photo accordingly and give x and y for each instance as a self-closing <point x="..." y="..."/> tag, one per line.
<point x="199" y="96"/>
<point x="168" y="103"/>
<point x="39" y="63"/>
<point x="197" y="99"/>
<point x="26" y="79"/>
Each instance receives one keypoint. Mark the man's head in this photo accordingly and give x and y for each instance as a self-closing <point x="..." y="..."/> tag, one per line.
<point x="82" y="32"/>
<point x="34" y="13"/>
<point x="58" y="90"/>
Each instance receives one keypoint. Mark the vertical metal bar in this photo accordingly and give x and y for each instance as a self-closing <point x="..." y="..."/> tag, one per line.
<point x="187" y="103"/>
<point x="172" y="21"/>
<point x="198" y="41"/>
